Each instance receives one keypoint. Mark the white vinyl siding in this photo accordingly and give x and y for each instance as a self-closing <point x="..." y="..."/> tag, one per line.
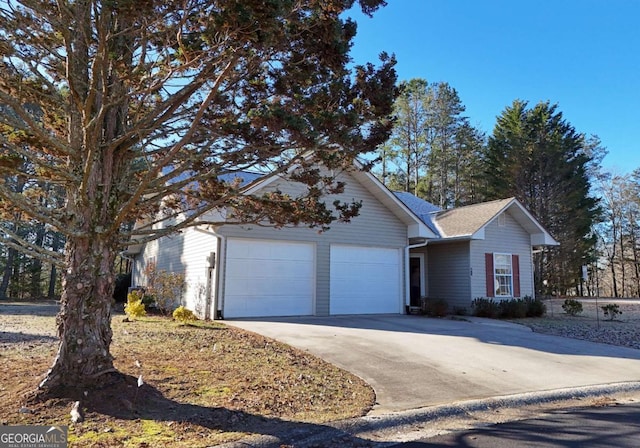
<point x="375" y="225"/>
<point x="508" y="239"/>
<point x="192" y="247"/>
<point x="365" y="280"/>
<point x="200" y="248"/>
<point x="166" y="253"/>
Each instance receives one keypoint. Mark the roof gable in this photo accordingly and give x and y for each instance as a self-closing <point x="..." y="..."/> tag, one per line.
<point x="417" y="228"/>
<point x="469" y="222"/>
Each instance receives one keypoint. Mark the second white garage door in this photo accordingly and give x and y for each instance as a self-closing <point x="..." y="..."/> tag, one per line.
<point x="365" y="280"/>
<point x="269" y="278"/>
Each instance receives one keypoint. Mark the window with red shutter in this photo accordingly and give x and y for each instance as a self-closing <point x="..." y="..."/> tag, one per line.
<point x="488" y="258"/>
<point x="515" y="263"/>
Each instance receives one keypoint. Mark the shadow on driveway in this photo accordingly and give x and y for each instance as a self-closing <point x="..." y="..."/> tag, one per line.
<point x="488" y="331"/>
<point x="414" y="361"/>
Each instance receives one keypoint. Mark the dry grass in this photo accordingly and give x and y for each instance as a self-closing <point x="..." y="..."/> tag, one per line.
<point x="591" y="324"/>
<point x="204" y="385"/>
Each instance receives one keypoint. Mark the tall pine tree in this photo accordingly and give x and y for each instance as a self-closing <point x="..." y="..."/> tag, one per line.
<point x="433" y="152"/>
<point x="535" y="155"/>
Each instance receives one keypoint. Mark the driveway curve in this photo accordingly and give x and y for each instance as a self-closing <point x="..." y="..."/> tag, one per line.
<point x="413" y="362"/>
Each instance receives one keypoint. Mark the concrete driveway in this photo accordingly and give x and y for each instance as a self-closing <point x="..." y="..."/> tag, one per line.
<point x="413" y="362"/>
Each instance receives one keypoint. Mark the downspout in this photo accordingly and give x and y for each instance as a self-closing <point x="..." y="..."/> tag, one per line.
<point x="212" y="301"/>
<point x="133" y="263"/>
<point x="407" y="273"/>
<point x="217" y="306"/>
<point x="533" y="270"/>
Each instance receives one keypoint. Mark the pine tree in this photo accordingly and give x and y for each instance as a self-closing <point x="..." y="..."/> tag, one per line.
<point x="139" y="109"/>
<point x="435" y="151"/>
<point x="407" y="147"/>
<point x="538" y="157"/>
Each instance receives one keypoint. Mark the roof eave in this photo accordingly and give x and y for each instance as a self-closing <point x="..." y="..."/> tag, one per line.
<point x="543" y="239"/>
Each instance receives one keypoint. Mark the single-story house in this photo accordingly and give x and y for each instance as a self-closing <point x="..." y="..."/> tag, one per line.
<point x="399" y="244"/>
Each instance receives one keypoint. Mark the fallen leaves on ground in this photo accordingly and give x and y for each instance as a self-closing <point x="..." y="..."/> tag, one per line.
<point x="202" y="385"/>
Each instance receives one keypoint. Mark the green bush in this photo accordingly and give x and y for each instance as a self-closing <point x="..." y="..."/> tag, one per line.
<point x="572" y="307"/>
<point x="508" y="309"/>
<point x="148" y="299"/>
<point x="435" y="307"/>
<point x="535" y="307"/>
<point x="483" y="307"/>
<point x="513" y="308"/>
<point x="123" y="282"/>
<point x="611" y="310"/>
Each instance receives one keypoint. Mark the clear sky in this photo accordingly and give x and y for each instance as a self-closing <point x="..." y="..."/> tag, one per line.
<point x="583" y="55"/>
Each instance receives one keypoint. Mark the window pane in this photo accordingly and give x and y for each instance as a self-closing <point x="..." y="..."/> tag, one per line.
<point x="502" y="261"/>
<point x="503" y="285"/>
<point x="503" y="274"/>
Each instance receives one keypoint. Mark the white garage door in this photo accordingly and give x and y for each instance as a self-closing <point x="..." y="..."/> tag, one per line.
<point x="365" y="280"/>
<point x="268" y="278"/>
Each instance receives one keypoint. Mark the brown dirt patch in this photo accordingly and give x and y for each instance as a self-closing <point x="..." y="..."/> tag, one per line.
<point x="203" y="385"/>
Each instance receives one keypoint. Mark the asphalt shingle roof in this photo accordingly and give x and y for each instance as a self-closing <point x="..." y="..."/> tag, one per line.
<point x="456" y="222"/>
<point x="467" y="220"/>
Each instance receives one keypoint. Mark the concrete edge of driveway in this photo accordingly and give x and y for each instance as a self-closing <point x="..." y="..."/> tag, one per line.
<point x="388" y="429"/>
<point x="462" y="408"/>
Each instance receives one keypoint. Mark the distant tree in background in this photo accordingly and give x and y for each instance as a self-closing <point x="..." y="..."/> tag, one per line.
<point x="23" y="273"/>
<point x="535" y="155"/>
<point x="436" y="153"/>
<point x="407" y="148"/>
<point x="466" y="179"/>
<point x="619" y="234"/>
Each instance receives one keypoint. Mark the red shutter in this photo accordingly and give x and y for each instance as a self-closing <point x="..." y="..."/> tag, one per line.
<point x="488" y="261"/>
<point x="515" y="267"/>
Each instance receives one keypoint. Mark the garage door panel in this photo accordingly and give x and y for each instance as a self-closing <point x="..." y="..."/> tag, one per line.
<point x="268" y="290"/>
<point x="267" y="250"/>
<point x="269" y="278"/>
<point x="365" y="280"/>
<point x="267" y="269"/>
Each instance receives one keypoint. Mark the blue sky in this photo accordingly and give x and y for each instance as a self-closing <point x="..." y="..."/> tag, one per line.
<point x="583" y="55"/>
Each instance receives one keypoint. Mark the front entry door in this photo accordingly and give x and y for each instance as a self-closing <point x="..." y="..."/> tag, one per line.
<point x="416" y="279"/>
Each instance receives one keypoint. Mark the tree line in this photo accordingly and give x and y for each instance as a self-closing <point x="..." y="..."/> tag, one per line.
<point x="535" y="155"/>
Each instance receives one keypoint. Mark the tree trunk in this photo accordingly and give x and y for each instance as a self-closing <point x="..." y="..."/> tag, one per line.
<point x="35" y="268"/>
<point x="8" y="270"/>
<point x="84" y="325"/>
<point x="53" y="275"/>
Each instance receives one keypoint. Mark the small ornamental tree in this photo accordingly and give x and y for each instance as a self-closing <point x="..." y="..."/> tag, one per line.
<point x="165" y="288"/>
<point x="144" y="110"/>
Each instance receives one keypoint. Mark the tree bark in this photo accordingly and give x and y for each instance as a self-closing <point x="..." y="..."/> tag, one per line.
<point x="8" y="270"/>
<point x="35" y="268"/>
<point x="84" y="320"/>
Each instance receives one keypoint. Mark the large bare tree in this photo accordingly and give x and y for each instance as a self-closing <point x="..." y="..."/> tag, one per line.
<point x="143" y="110"/>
